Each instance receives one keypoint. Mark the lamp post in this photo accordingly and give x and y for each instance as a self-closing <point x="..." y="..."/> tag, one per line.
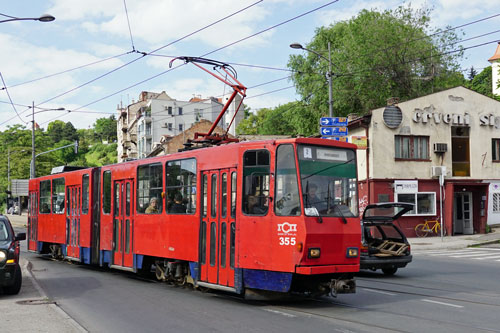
<point x="330" y="74"/>
<point x="43" y="18"/>
<point x="33" y="155"/>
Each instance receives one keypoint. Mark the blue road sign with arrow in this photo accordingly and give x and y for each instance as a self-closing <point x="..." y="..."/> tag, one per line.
<point x="333" y="121"/>
<point x="333" y="131"/>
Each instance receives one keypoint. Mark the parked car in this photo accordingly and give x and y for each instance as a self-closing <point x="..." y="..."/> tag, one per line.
<point x="383" y="244"/>
<point x="10" y="271"/>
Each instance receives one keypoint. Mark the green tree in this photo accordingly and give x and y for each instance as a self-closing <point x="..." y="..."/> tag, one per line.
<point x="376" y="55"/>
<point x="105" y="129"/>
<point x="472" y="73"/>
<point x="482" y="83"/>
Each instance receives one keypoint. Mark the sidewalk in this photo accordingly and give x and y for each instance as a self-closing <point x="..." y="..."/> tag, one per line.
<point x="32" y="311"/>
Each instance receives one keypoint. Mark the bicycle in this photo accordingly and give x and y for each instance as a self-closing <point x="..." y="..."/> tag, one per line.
<point x="429" y="226"/>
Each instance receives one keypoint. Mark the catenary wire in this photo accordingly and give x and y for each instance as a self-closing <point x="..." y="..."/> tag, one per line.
<point x="10" y="99"/>
<point x="129" y="28"/>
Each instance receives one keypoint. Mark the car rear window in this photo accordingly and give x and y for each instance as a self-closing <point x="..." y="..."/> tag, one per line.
<point x="383" y="232"/>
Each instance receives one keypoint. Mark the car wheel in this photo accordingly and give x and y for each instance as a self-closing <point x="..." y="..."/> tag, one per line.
<point x="18" y="280"/>
<point x="390" y="270"/>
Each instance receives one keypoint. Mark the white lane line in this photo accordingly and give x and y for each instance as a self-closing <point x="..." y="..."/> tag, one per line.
<point x="484" y="258"/>
<point x="450" y="253"/>
<point x="441" y="303"/>
<point x="379" y="292"/>
<point x="479" y="254"/>
<point x="281" y="313"/>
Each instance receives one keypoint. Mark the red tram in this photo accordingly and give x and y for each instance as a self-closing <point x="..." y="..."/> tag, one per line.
<point x="250" y="217"/>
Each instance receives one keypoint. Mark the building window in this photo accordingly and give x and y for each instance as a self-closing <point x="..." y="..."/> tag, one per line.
<point x="425" y="202"/>
<point x="180" y="111"/>
<point x="411" y="147"/>
<point x="495" y="149"/>
<point x="149" y="188"/>
<point x="169" y="126"/>
<point x="496" y="203"/>
<point x="180" y="127"/>
<point x="169" y="109"/>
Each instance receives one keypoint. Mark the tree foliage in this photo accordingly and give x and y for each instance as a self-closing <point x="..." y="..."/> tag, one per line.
<point x="482" y="83"/>
<point x="105" y="129"/>
<point x="376" y="56"/>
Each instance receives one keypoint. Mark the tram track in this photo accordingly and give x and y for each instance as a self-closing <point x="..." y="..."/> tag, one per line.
<point x="429" y="294"/>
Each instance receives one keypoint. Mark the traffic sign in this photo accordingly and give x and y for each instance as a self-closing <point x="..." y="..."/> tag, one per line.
<point x="333" y="121"/>
<point x="333" y="131"/>
<point x="336" y="138"/>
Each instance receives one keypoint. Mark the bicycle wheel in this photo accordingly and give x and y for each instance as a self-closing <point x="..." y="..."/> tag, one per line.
<point x="421" y="230"/>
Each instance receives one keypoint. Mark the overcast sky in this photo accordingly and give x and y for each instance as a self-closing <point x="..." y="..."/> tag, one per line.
<point x="96" y="32"/>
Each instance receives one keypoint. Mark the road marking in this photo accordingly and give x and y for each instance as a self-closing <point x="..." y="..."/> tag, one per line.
<point x="379" y="291"/>
<point x="450" y="253"/>
<point x="281" y="313"/>
<point x="441" y="303"/>
<point x="484" y="258"/>
<point x="478" y="254"/>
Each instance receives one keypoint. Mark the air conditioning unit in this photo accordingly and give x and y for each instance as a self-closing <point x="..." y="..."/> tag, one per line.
<point x="437" y="171"/>
<point x="440" y="147"/>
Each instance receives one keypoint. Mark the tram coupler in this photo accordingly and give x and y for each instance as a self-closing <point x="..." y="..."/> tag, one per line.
<point x="342" y="286"/>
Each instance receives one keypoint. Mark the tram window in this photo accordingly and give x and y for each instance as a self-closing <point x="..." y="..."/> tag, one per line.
<point x="68" y="202"/>
<point x="181" y="186"/>
<point x="223" y="190"/>
<point x="286" y="187"/>
<point x="117" y="199"/>
<point x="232" y="243"/>
<point x="213" y="196"/>
<point x="85" y="194"/>
<point x="45" y="197"/>
<point x="205" y="195"/>
<point x="213" y="236"/>
<point x="223" y="245"/>
<point x="127" y="198"/>
<point x="106" y="192"/>
<point x="233" y="194"/>
<point x="256" y="172"/>
<point x="149" y="188"/>
<point x="58" y="191"/>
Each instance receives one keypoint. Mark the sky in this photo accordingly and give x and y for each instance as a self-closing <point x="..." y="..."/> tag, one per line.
<point x="88" y="59"/>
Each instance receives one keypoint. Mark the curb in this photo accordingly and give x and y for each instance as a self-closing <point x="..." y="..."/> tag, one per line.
<point x="27" y="268"/>
<point x="495" y="241"/>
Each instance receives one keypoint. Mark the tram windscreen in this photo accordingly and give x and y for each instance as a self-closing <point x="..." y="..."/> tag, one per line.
<point x="328" y="179"/>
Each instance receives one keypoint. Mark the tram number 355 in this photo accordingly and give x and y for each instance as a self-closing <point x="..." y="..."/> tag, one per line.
<point x="287" y="241"/>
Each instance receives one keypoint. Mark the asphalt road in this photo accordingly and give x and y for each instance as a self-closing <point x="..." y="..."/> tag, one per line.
<point x="434" y="294"/>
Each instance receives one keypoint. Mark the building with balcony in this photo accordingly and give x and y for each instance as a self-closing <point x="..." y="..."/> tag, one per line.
<point x="156" y="116"/>
<point x="440" y="152"/>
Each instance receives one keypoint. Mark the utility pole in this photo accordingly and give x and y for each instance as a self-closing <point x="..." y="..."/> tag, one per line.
<point x="33" y="156"/>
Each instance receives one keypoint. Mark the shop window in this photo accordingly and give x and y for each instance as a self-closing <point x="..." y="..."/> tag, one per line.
<point x="411" y="147"/>
<point x="149" y="188"/>
<point x="425" y="202"/>
<point x="460" y="151"/>
<point x="495" y="150"/>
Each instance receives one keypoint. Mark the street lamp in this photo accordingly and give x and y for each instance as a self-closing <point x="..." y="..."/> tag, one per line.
<point x="33" y="156"/>
<point x="330" y="74"/>
<point x="43" y="18"/>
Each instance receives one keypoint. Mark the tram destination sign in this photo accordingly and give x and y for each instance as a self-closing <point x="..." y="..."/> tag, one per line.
<point x="333" y="131"/>
<point x="333" y="121"/>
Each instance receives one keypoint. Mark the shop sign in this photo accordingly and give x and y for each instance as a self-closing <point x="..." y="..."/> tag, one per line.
<point x="406" y="186"/>
<point x="437" y="117"/>
<point x="360" y="141"/>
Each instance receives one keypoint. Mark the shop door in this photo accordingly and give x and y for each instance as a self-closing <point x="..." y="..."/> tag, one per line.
<point x="217" y="231"/>
<point x="123" y="221"/>
<point x="73" y="212"/>
<point x="463" y="213"/>
<point x="33" y="221"/>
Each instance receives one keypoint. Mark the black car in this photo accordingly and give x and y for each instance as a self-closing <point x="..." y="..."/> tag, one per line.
<point x="383" y="244"/>
<point x="10" y="271"/>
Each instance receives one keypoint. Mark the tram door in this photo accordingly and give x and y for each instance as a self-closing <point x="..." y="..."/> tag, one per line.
<point x="123" y="221"/>
<point x="33" y="221"/>
<point x="217" y="232"/>
<point x="73" y="212"/>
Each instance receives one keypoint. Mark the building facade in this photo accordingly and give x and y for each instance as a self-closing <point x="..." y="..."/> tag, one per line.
<point x="440" y="152"/>
<point x="156" y="117"/>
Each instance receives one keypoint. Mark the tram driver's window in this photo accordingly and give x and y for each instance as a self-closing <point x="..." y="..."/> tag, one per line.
<point x="58" y="190"/>
<point x="256" y="182"/>
<point x="149" y="188"/>
<point x="45" y="197"/>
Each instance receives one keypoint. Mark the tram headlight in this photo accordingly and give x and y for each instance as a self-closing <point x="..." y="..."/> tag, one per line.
<point x="314" y="252"/>
<point x="352" y="252"/>
<point x="3" y="256"/>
